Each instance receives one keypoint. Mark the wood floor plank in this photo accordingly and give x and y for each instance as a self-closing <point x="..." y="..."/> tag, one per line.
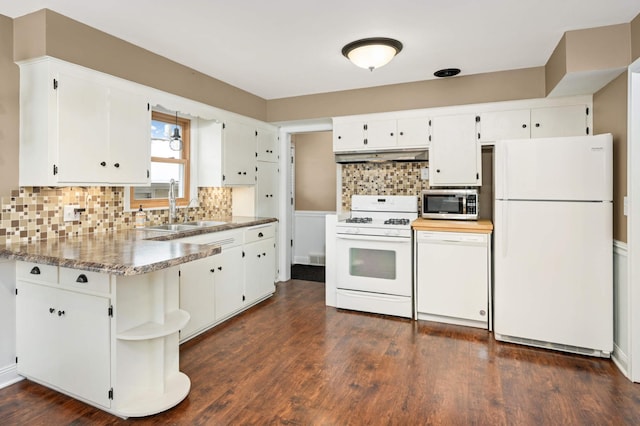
<point x="292" y="360"/>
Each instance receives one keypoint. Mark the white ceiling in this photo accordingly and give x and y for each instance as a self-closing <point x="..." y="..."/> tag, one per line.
<point x="283" y="48"/>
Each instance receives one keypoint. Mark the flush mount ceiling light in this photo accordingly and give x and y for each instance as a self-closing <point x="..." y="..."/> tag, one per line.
<point x="447" y="72"/>
<point x="175" y="143"/>
<point x="372" y="53"/>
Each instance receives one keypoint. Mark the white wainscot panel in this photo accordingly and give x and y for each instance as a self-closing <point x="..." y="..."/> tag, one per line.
<point x="308" y="237"/>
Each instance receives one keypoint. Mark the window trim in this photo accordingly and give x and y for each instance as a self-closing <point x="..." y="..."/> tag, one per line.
<point x="150" y="203"/>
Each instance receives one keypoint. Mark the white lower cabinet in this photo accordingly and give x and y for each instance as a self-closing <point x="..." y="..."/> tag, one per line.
<point x="111" y="341"/>
<point x="63" y="340"/>
<point x="216" y="288"/>
<point x="452" y="278"/>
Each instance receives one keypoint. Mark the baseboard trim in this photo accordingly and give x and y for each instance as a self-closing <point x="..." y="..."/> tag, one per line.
<point x="9" y="375"/>
<point x="621" y="360"/>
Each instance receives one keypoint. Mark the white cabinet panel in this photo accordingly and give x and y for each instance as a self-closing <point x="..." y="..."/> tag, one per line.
<point x="498" y="125"/>
<point x="267" y="142"/>
<point x="380" y="134"/>
<point x="454" y="155"/>
<point x="413" y="132"/>
<point x="259" y="269"/>
<point x="239" y="153"/>
<point x="197" y="294"/>
<point x="229" y="279"/>
<point x="559" y="121"/>
<point x="348" y="136"/>
<point x="267" y="189"/>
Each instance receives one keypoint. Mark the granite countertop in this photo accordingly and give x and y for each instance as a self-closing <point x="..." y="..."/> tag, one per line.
<point x="128" y="252"/>
<point x="482" y="226"/>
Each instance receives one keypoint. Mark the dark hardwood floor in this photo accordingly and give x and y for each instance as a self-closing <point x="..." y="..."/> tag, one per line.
<point x="291" y="360"/>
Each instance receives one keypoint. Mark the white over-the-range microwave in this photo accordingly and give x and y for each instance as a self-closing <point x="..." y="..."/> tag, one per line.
<point x="455" y="204"/>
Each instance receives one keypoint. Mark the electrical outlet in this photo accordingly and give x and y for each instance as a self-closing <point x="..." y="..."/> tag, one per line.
<point x="71" y="213"/>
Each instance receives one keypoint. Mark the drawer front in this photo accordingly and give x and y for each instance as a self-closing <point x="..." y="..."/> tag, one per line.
<point x="260" y="232"/>
<point x="37" y="272"/>
<point x="84" y="280"/>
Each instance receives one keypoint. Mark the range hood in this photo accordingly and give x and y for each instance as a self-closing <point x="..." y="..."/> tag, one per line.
<point x="382" y="156"/>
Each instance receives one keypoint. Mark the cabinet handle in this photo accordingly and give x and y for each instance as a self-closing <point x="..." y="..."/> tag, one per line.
<point x="82" y="278"/>
<point x="117" y="165"/>
<point x="60" y="313"/>
<point x="35" y="270"/>
<point x="103" y="163"/>
<point x="52" y="310"/>
<point x="260" y="235"/>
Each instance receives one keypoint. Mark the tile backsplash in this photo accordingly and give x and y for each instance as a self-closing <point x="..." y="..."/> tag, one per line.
<point x="36" y="213"/>
<point x="389" y="178"/>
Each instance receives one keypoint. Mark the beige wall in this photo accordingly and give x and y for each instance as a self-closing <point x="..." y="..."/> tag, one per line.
<point x="49" y="33"/>
<point x="315" y="169"/>
<point x="610" y="116"/>
<point x="491" y="87"/>
<point x="635" y="38"/>
<point x="9" y="105"/>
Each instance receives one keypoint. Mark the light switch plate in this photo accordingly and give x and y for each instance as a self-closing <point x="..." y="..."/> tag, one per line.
<point x="424" y="173"/>
<point x="70" y="214"/>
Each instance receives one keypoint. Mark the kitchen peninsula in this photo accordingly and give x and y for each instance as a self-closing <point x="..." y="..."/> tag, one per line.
<point x="98" y="315"/>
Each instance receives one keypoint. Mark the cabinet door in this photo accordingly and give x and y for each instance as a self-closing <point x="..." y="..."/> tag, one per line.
<point x="84" y="346"/>
<point x="454" y="155"/>
<point x="267" y="190"/>
<point x="380" y="134"/>
<point x="129" y="138"/>
<point x="83" y="130"/>
<point x="446" y="290"/>
<point x="260" y="266"/>
<point x="559" y="121"/>
<point x="267" y="142"/>
<point x="239" y="152"/>
<point x="36" y="332"/>
<point x="413" y="132"/>
<point x="500" y="125"/>
<point x="348" y="136"/>
<point x="197" y="294"/>
<point x="229" y="282"/>
<point x="63" y="339"/>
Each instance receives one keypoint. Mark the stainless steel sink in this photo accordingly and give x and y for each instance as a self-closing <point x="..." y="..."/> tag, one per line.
<point x="204" y="223"/>
<point x="172" y="227"/>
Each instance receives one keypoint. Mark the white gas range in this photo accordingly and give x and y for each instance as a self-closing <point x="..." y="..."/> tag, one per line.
<point x="373" y="255"/>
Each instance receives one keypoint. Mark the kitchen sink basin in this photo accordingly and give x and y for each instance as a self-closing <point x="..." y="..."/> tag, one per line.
<point x="204" y="223"/>
<point x="172" y="227"/>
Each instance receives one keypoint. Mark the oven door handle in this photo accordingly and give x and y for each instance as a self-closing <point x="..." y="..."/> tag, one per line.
<point x="374" y="238"/>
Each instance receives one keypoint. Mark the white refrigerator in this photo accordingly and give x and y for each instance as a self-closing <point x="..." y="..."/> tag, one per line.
<point x="553" y="243"/>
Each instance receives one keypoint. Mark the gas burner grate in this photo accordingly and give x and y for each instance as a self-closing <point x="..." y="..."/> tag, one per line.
<point x="394" y="221"/>
<point x="359" y="220"/>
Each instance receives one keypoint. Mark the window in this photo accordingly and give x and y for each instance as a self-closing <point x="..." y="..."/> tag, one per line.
<point x="166" y="164"/>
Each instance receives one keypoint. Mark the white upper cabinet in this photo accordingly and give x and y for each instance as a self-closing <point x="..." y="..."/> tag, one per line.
<point x="78" y="126"/>
<point x="370" y="134"/>
<point x="571" y="120"/>
<point x="267" y="189"/>
<point x="267" y="142"/>
<point x="413" y="132"/>
<point x="556" y="121"/>
<point x="454" y="155"/>
<point x="239" y="153"/>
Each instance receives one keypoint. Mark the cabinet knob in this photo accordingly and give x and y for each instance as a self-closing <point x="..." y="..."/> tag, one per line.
<point x="537" y="124"/>
<point x="391" y="134"/>
<point x="240" y="173"/>
<point x="103" y="163"/>
<point x="52" y="310"/>
<point x="219" y="268"/>
<point x="264" y="254"/>
<point x="260" y="235"/>
<point x="483" y="312"/>
<point x="437" y="170"/>
<point x="82" y="278"/>
<point x="35" y="270"/>
<point x="524" y="126"/>
<point x="258" y="255"/>
<point x="212" y="270"/>
<point x="366" y="141"/>
<point x="117" y="165"/>
<point x="60" y="313"/>
<point x="339" y="137"/>
<point x="401" y="133"/>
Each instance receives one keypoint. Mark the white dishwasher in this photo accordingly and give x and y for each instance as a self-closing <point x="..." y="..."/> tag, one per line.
<point x="452" y="278"/>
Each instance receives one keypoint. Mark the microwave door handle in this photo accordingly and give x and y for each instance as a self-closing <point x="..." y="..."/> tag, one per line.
<point x="464" y="204"/>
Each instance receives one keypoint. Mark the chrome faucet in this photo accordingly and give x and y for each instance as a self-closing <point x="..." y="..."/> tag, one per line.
<point x="172" y="201"/>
